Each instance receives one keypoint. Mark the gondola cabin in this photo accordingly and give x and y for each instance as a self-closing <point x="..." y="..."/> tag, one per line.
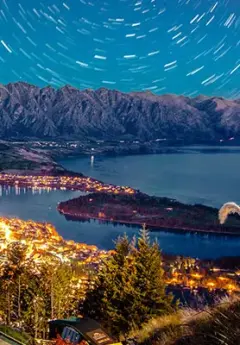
<point x="80" y="331"/>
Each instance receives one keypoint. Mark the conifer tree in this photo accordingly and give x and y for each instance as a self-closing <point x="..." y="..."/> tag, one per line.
<point x="130" y="288"/>
<point x="59" y="286"/>
<point x="108" y="297"/>
<point x="149" y="284"/>
<point x="33" y="292"/>
<point x="15" y="274"/>
<point x="36" y="307"/>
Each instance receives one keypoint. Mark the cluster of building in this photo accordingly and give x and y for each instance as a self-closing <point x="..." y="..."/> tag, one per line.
<point x="193" y="274"/>
<point x="42" y="239"/>
<point x="86" y="184"/>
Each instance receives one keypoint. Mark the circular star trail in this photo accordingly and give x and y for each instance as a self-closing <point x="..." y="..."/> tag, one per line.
<point x="187" y="47"/>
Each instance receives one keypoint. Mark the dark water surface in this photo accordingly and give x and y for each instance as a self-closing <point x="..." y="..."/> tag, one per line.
<point x="203" y="176"/>
<point x="206" y="175"/>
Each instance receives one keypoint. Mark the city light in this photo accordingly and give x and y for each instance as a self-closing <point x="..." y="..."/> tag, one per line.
<point x="85" y="184"/>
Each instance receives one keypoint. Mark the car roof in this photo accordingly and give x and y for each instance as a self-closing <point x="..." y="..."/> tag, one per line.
<point x="88" y="327"/>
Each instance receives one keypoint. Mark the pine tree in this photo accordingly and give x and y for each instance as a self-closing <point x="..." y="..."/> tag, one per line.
<point x="60" y="286"/>
<point x="36" y="307"/>
<point x="62" y="291"/>
<point x="149" y="285"/>
<point x="108" y="297"/>
<point x="130" y="287"/>
<point x="15" y="274"/>
<point x="31" y="293"/>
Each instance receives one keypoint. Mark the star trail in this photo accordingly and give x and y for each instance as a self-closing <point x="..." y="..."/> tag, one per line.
<point x="186" y="47"/>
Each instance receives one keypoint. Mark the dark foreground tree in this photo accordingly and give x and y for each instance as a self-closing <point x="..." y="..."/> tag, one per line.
<point x="32" y="292"/>
<point x="13" y="281"/>
<point x="130" y="288"/>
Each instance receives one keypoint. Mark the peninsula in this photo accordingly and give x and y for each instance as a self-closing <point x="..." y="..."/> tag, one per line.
<point x="156" y="212"/>
<point x="25" y="165"/>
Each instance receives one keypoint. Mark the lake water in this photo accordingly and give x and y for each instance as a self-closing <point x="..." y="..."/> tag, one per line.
<point x="205" y="175"/>
<point x="197" y="175"/>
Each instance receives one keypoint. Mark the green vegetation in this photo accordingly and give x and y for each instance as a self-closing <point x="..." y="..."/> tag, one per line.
<point x="18" y="163"/>
<point x="32" y="291"/>
<point x="128" y="298"/>
<point x="156" y="212"/>
<point x="130" y="288"/>
<point x="213" y="326"/>
<point x="16" y="334"/>
<point x="20" y="157"/>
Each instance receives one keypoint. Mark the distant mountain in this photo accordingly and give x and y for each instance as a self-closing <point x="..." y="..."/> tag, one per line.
<point x="48" y="113"/>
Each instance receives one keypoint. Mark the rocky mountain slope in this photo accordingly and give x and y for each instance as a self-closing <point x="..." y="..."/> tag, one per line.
<point x="27" y="111"/>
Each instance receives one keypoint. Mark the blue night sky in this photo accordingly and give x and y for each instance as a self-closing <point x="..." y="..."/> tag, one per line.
<point x="185" y="47"/>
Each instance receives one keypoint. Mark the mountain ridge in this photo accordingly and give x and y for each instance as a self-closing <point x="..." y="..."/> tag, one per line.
<point x="48" y="113"/>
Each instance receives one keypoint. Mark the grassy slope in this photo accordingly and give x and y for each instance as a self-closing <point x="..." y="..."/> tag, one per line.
<point x="19" y="158"/>
<point x="217" y="326"/>
<point x="17" y="335"/>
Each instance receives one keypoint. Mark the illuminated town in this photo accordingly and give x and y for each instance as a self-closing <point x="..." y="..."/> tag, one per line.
<point x="192" y="273"/>
<point x="85" y="184"/>
<point x="42" y="240"/>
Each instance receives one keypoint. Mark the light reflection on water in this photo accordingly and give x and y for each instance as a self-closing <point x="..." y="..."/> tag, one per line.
<point x="40" y="205"/>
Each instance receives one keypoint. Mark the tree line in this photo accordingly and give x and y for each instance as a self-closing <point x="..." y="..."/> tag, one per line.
<point x="128" y="290"/>
<point x="34" y="291"/>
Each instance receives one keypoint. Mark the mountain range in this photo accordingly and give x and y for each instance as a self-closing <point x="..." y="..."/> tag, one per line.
<point x="27" y="111"/>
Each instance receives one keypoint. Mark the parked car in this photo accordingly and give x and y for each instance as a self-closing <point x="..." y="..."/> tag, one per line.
<point x="79" y="331"/>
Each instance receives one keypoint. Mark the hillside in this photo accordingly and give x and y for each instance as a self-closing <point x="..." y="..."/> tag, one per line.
<point x="212" y="326"/>
<point x="27" y="111"/>
<point x="16" y="158"/>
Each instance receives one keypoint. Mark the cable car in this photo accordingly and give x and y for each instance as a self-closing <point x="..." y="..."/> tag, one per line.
<point x="79" y="331"/>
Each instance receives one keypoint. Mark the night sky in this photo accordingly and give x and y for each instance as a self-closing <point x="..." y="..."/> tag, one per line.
<point x="187" y="47"/>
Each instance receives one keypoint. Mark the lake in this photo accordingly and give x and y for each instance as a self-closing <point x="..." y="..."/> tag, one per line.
<point x="203" y="175"/>
<point x="206" y="175"/>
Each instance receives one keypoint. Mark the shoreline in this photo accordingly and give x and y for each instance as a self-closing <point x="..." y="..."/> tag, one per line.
<point x="62" y="181"/>
<point x="185" y="218"/>
<point x="155" y="212"/>
<point x="151" y="228"/>
<point x="158" y="213"/>
<point x="202" y="274"/>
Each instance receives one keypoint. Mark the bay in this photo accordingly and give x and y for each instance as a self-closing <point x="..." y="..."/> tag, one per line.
<point x="206" y="175"/>
<point x="196" y="175"/>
